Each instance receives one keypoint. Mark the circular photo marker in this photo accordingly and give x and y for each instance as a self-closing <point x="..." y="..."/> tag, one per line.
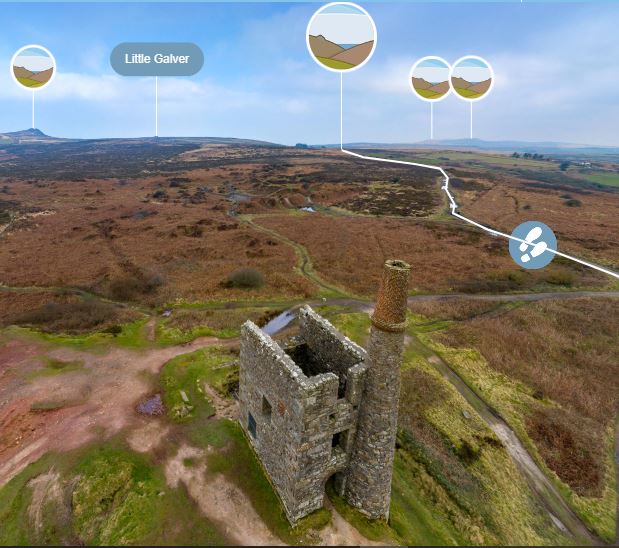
<point x="471" y="78"/>
<point x="429" y="78"/>
<point x="532" y="253"/>
<point x="341" y="37"/>
<point x="33" y="67"/>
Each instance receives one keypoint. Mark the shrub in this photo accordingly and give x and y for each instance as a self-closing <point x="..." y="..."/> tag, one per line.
<point x="467" y="453"/>
<point x="246" y="278"/>
<point x="130" y="287"/>
<point x="560" y="277"/>
<point x="69" y="317"/>
<point x="114" y="330"/>
<point x="573" y="203"/>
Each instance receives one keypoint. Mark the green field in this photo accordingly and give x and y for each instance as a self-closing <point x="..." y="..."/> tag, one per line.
<point x="602" y="177"/>
<point x="428" y="94"/>
<point x="29" y="83"/>
<point x="468" y="94"/>
<point x="333" y="63"/>
<point x="443" y="157"/>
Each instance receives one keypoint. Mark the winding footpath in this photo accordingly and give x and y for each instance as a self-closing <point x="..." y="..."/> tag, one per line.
<point x="453" y="206"/>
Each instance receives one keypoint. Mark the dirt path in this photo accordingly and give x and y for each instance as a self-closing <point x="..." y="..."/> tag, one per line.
<point x="95" y="401"/>
<point x="305" y="265"/>
<point x="341" y="533"/>
<point x="220" y="500"/>
<point x="511" y="297"/>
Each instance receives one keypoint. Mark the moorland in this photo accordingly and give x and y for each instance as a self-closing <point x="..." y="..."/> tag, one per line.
<point x="128" y="266"/>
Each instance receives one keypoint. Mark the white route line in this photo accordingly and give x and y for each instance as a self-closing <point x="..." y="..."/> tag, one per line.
<point x="453" y="206"/>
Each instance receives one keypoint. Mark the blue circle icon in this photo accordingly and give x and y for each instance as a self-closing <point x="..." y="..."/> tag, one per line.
<point x="532" y="252"/>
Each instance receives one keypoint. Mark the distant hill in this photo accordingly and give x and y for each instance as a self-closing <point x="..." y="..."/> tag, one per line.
<point x="32" y="79"/>
<point x="335" y="56"/>
<point x="355" y="55"/>
<point x="31" y="135"/>
<point x="34" y="135"/>
<point x="323" y="47"/>
<point x="420" y="83"/>
<point x="21" y="72"/>
<point x="470" y="90"/>
<point x="540" y="147"/>
<point x="429" y="90"/>
<point x="42" y="76"/>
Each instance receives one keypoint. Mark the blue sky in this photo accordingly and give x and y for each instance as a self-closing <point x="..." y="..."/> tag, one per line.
<point x="556" y="68"/>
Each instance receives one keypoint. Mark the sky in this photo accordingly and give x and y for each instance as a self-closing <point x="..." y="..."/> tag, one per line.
<point x="434" y="71"/>
<point x="472" y="70"/>
<point x="33" y="59"/>
<point x="343" y="25"/>
<point x="556" y="69"/>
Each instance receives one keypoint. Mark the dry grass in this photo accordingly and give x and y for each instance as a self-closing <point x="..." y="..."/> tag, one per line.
<point x="452" y="309"/>
<point x="445" y="256"/>
<point x="74" y="317"/>
<point x="590" y="230"/>
<point x="567" y="352"/>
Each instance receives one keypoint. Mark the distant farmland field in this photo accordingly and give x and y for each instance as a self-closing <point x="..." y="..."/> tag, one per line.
<point x="603" y="178"/>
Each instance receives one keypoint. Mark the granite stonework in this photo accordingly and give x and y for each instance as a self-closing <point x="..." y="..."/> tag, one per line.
<point x="300" y="409"/>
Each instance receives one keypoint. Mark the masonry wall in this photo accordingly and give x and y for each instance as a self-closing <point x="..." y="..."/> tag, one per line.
<point x="332" y="348"/>
<point x="368" y="484"/>
<point x="294" y="442"/>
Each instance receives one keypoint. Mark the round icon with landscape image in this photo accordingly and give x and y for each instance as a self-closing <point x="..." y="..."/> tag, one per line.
<point x="531" y="249"/>
<point x="471" y="78"/>
<point x="429" y="78"/>
<point x="341" y="36"/>
<point x="33" y="67"/>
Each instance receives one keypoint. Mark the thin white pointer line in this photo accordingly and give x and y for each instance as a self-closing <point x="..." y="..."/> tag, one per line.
<point x="452" y="202"/>
<point x="156" y="106"/>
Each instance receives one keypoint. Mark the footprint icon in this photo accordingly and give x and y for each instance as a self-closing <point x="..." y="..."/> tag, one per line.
<point x="538" y="248"/>
<point x="532" y="245"/>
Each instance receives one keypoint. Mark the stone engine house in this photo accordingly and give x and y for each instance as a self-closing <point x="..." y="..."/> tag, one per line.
<point x="326" y="407"/>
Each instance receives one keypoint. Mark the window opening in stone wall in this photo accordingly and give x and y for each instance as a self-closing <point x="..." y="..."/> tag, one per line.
<point x="251" y="425"/>
<point x="266" y="408"/>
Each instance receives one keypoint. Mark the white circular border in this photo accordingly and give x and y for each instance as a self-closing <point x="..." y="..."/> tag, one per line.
<point x="410" y="79"/>
<point x="307" y="35"/>
<point x="15" y="77"/>
<point x="469" y="100"/>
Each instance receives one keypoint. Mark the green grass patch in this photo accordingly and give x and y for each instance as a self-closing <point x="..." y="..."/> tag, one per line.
<point x="334" y="63"/>
<point x="182" y="381"/>
<point x="601" y="177"/>
<point x="468" y="93"/>
<point x="132" y="335"/>
<point x="28" y="82"/>
<point x="428" y="93"/>
<point x="171" y="336"/>
<point x="54" y="367"/>
<point x="98" y="495"/>
<point x="354" y="325"/>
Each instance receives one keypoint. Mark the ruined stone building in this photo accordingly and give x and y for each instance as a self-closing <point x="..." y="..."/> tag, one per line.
<point x="326" y="407"/>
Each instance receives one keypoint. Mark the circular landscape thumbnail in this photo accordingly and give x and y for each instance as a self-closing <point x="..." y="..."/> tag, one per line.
<point x="33" y="67"/>
<point x="341" y="36"/>
<point x="429" y="78"/>
<point x="471" y="78"/>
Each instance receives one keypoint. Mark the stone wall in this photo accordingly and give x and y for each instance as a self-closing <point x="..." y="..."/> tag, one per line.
<point x="303" y="417"/>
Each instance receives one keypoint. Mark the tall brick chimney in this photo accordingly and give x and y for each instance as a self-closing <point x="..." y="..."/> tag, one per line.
<point x="368" y="484"/>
